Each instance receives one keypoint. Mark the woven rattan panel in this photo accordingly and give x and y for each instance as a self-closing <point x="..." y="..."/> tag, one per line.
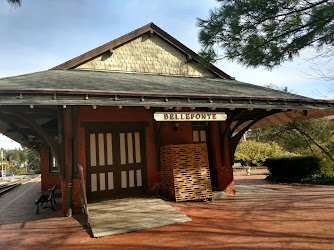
<point x="185" y="172"/>
<point x="167" y="178"/>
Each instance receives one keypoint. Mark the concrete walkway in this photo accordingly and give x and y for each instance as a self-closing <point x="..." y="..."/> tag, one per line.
<point x="110" y="217"/>
<point x="289" y="217"/>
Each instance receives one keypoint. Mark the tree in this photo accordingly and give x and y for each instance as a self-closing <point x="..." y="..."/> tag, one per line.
<point x="16" y="156"/>
<point x="255" y="153"/>
<point x="314" y="136"/>
<point x="34" y="160"/>
<point x="267" y="32"/>
<point x="16" y="3"/>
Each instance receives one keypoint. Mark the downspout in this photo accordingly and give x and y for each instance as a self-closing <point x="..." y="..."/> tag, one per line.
<point x="70" y="167"/>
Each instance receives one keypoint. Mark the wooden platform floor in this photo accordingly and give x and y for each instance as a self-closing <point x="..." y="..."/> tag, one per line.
<point x="110" y="217"/>
<point x="290" y="217"/>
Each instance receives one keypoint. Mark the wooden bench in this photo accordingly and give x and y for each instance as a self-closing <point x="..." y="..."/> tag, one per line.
<point x="46" y="199"/>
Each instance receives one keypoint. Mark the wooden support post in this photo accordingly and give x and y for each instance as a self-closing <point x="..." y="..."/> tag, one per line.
<point x="75" y="141"/>
<point x="157" y="130"/>
<point x="69" y="114"/>
<point x="62" y="168"/>
<point x="222" y="142"/>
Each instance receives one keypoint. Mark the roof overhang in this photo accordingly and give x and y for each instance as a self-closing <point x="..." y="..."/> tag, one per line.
<point x="40" y="94"/>
<point x="291" y="109"/>
<point x="46" y="96"/>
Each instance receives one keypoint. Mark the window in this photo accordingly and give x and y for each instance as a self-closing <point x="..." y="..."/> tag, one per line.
<point x="201" y="123"/>
<point x="200" y="132"/>
<point x="53" y="166"/>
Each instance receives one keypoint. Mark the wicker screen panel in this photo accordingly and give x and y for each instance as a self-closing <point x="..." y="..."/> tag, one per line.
<point x="185" y="172"/>
<point x="167" y="178"/>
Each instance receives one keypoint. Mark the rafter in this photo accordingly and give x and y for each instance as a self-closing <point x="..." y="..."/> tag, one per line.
<point x="38" y="129"/>
<point x="231" y="117"/>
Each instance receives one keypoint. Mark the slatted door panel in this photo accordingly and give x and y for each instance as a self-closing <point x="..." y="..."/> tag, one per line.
<point x="101" y="167"/>
<point x="132" y="162"/>
<point x="116" y="162"/>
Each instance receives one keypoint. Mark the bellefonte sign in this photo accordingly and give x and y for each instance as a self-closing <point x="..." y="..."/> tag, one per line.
<point x="189" y="116"/>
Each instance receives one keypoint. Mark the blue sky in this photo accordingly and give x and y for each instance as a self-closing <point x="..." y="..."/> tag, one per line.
<point x="41" y="34"/>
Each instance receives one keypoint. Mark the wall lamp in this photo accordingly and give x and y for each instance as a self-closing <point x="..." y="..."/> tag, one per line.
<point x="176" y="126"/>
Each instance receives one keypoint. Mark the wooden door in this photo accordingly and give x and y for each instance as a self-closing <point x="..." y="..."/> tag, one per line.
<point x="116" y="162"/>
<point x="201" y="134"/>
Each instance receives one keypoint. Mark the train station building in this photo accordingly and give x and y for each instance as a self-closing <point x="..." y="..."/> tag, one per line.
<point x="141" y="115"/>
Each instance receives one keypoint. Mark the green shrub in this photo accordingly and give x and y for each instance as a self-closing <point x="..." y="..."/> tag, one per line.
<point x="317" y="178"/>
<point x="326" y="164"/>
<point x="252" y="153"/>
<point x="292" y="165"/>
<point x="37" y="171"/>
<point x="20" y="171"/>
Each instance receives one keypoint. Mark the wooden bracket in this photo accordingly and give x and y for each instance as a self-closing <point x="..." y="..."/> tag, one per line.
<point x="227" y="132"/>
<point x="151" y="33"/>
<point x="110" y="52"/>
<point x="27" y="119"/>
<point x="234" y="140"/>
<point x="53" y="144"/>
<point x="187" y="58"/>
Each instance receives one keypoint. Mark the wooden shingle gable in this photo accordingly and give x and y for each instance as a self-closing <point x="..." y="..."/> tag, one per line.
<point x="150" y="30"/>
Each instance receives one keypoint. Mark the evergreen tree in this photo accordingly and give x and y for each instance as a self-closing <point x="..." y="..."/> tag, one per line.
<point x="267" y="32"/>
<point x="15" y="3"/>
<point x="34" y="160"/>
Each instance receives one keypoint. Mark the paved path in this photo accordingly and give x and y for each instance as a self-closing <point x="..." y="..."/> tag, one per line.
<point x="290" y="217"/>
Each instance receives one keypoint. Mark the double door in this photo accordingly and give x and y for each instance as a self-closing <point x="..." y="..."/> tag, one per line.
<point x="116" y="162"/>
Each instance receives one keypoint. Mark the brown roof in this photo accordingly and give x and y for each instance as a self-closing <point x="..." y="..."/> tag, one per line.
<point x="151" y="28"/>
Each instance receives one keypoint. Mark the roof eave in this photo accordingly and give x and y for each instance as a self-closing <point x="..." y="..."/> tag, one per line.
<point x="35" y="96"/>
